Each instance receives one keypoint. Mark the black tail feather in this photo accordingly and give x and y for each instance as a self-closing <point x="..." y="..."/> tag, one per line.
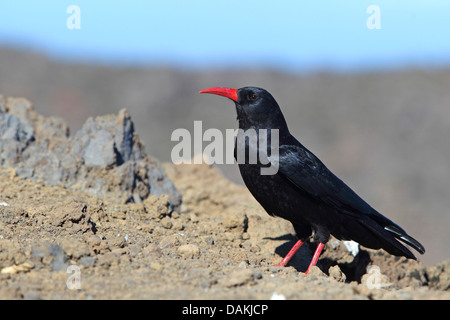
<point x="403" y="236"/>
<point x="388" y="239"/>
<point x="391" y="231"/>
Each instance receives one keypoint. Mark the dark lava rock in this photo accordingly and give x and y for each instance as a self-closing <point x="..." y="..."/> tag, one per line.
<point x="104" y="157"/>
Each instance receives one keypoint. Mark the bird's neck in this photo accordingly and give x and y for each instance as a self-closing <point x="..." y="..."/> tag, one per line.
<point x="281" y="126"/>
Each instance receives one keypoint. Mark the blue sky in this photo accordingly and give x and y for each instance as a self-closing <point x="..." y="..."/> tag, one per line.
<point x="292" y="35"/>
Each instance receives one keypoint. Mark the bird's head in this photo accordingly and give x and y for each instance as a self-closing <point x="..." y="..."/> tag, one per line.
<point x="255" y="107"/>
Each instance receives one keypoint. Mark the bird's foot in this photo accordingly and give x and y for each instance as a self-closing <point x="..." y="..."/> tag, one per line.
<point x="290" y="254"/>
<point x="315" y="256"/>
<point x="281" y="264"/>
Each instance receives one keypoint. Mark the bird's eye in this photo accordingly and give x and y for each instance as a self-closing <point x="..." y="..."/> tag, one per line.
<point x="252" y="96"/>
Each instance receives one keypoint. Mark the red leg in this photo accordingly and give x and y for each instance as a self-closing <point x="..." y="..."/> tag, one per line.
<point x="290" y="254"/>
<point x="315" y="257"/>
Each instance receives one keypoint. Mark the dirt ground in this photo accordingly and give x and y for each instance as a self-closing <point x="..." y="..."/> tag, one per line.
<point x="221" y="245"/>
<point x="80" y="238"/>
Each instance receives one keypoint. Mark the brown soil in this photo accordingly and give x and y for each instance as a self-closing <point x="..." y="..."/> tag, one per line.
<point x="221" y="245"/>
<point x="91" y="216"/>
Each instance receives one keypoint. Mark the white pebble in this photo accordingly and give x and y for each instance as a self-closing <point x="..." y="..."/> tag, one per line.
<point x="352" y="247"/>
<point x="277" y="296"/>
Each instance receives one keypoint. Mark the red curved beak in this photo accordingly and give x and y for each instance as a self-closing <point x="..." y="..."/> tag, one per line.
<point x="226" y="92"/>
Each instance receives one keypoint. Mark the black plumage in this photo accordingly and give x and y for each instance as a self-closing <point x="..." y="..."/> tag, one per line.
<point x="303" y="190"/>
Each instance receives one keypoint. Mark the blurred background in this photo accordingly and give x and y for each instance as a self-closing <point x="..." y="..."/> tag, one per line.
<point x="365" y="85"/>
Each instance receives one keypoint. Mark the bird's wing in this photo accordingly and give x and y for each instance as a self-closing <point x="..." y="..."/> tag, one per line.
<point x="307" y="173"/>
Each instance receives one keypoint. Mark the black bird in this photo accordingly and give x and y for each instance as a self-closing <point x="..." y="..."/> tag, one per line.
<point x="303" y="190"/>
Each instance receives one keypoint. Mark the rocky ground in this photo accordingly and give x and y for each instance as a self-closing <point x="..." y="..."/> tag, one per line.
<point x="91" y="216"/>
